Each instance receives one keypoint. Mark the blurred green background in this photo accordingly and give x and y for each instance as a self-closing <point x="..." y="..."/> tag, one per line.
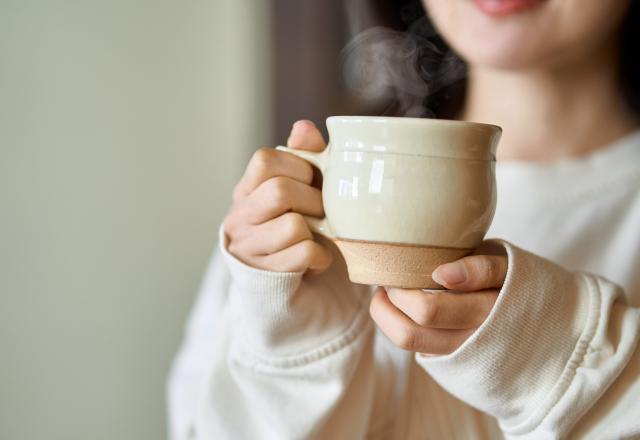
<point x="123" y="127"/>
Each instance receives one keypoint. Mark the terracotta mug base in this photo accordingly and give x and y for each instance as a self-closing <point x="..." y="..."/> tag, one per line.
<point x="395" y="265"/>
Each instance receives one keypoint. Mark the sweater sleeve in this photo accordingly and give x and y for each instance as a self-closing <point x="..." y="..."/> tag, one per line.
<point x="553" y="356"/>
<point x="291" y="357"/>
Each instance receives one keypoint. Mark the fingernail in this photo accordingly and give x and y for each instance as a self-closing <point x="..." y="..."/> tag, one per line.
<point x="450" y="274"/>
<point x="293" y="135"/>
<point x="301" y="123"/>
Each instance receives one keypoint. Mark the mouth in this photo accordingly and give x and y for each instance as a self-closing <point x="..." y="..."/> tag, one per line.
<point x="502" y="8"/>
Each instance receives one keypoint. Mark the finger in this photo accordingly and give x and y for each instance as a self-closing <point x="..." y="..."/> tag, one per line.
<point x="272" y="236"/>
<point x="444" y="310"/>
<point x="476" y="272"/>
<point x="408" y="335"/>
<point x="306" y="136"/>
<point x="301" y="256"/>
<point x="267" y="163"/>
<point x="272" y="199"/>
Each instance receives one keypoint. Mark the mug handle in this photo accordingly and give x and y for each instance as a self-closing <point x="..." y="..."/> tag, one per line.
<point x="319" y="160"/>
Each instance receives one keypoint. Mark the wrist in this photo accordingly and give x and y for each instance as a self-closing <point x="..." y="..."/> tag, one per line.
<point x="520" y="360"/>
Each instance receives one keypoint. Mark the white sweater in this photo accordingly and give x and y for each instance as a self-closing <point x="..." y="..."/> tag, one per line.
<point x="281" y="356"/>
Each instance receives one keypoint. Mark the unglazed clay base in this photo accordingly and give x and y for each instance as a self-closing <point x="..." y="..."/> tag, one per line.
<point x="395" y="265"/>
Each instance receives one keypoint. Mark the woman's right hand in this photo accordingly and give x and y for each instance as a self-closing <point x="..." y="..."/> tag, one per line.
<point x="265" y="227"/>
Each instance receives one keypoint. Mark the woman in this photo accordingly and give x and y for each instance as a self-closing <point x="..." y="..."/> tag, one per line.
<point x="537" y="343"/>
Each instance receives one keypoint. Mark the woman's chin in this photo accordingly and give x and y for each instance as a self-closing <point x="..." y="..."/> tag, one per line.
<point x="507" y="55"/>
<point x="514" y="42"/>
<point x="518" y="34"/>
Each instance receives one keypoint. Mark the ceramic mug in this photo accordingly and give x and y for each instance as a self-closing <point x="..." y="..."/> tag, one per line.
<point x="404" y="195"/>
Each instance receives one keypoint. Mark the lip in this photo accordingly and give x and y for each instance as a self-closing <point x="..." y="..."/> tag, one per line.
<point x="501" y="8"/>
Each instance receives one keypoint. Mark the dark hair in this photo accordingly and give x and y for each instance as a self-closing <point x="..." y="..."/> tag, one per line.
<point x="629" y="58"/>
<point x="427" y="78"/>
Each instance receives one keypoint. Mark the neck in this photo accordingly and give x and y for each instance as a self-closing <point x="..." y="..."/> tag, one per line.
<point x="552" y="113"/>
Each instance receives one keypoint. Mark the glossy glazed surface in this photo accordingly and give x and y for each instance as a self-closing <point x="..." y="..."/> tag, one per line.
<point x="409" y="199"/>
<point x="407" y="181"/>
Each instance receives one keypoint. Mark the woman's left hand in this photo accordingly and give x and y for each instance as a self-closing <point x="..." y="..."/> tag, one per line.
<point x="438" y="322"/>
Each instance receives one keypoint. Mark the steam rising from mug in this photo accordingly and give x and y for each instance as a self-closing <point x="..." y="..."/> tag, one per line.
<point x="382" y="65"/>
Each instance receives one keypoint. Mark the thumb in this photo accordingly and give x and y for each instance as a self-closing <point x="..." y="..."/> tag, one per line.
<point x="306" y="136"/>
<point x="476" y="272"/>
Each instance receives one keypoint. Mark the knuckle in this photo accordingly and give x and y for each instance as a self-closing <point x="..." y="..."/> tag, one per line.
<point x="407" y="338"/>
<point x="374" y="305"/>
<point x="228" y="225"/>
<point x="237" y="194"/>
<point x="478" y="268"/>
<point x="233" y="247"/>
<point x="308" y="249"/>
<point x="294" y="224"/>
<point x="262" y="160"/>
<point x="429" y="309"/>
<point x="277" y="188"/>
<point x="489" y="269"/>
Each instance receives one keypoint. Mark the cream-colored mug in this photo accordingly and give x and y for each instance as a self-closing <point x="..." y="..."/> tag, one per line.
<point x="404" y="195"/>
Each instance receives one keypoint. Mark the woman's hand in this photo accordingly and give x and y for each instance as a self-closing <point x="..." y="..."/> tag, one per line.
<point x="265" y="226"/>
<point x="438" y="322"/>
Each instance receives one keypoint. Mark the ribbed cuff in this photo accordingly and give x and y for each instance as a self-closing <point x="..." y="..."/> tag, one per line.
<point x="521" y="360"/>
<point x="271" y="287"/>
<point x="288" y="320"/>
<point x="261" y="298"/>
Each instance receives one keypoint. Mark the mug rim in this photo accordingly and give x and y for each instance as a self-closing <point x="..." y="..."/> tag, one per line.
<point x="406" y="120"/>
<point x="415" y="136"/>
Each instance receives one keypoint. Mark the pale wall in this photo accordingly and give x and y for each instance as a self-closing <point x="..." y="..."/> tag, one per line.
<point x="123" y="124"/>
